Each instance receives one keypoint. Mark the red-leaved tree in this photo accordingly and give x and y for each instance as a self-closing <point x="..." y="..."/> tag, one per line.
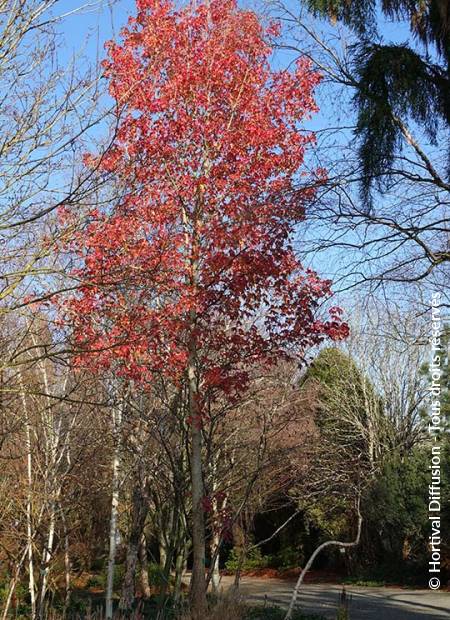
<point x="192" y="274"/>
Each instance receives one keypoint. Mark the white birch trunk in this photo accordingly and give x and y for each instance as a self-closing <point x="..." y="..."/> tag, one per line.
<point x="29" y="506"/>
<point x="52" y="437"/>
<point x="216" y="538"/>
<point x="46" y="557"/>
<point x="309" y="563"/>
<point x="117" y="422"/>
<point x="215" y="575"/>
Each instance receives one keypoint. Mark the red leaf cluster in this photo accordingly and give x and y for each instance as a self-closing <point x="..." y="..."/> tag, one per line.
<point x="210" y="149"/>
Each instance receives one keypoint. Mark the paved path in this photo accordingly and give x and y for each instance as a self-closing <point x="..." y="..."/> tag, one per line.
<point x="366" y="603"/>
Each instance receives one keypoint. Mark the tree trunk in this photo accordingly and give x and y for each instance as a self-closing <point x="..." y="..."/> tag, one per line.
<point x="51" y="442"/>
<point x="139" y="515"/>
<point x="143" y="560"/>
<point x="309" y="563"/>
<point x="128" y="585"/>
<point x="46" y="558"/>
<point x="215" y="555"/>
<point x="240" y="547"/>
<point x="67" y="566"/>
<point x="162" y="551"/>
<point x="216" y="540"/>
<point x="179" y="569"/>
<point x="198" y="580"/>
<point x="181" y="556"/>
<point x="117" y="420"/>
<point x="29" y="507"/>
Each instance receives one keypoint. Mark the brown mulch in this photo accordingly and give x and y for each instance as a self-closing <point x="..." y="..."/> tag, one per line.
<point x="292" y="574"/>
<point x="315" y="576"/>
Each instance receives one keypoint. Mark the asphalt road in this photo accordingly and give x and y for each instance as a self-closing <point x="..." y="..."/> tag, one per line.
<point x="365" y="604"/>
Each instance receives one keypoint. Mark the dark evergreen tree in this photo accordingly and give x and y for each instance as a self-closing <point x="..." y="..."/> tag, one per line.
<point x="397" y="81"/>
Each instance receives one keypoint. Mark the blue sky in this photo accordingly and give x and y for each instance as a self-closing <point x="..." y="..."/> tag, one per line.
<point x="85" y="32"/>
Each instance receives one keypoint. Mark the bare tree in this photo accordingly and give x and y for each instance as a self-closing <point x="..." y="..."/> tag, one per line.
<point x="44" y="452"/>
<point x="49" y="108"/>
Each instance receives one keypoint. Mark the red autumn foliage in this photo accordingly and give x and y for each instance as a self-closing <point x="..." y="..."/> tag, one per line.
<point x="210" y="149"/>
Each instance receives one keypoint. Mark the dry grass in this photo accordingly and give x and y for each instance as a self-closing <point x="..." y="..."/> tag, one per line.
<point x="227" y="607"/>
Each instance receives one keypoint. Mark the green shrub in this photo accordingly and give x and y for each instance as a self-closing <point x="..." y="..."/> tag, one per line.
<point x="364" y="583"/>
<point x="98" y="565"/>
<point x="287" y="557"/>
<point x="253" y="560"/>
<point x="96" y="581"/>
<point x="77" y="605"/>
<point x="99" y="580"/>
<point x="384" y="573"/>
<point x="156" y="576"/>
<point x="119" y="573"/>
<point x="22" y="597"/>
